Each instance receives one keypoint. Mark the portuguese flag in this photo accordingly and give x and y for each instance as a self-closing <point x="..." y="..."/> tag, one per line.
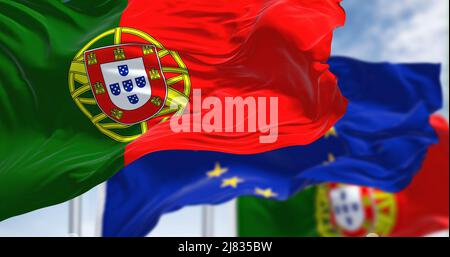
<point x="332" y="209"/>
<point x="87" y="87"/>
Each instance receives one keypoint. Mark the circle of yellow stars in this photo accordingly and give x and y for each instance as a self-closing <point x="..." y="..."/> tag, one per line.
<point x="234" y="181"/>
<point x="330" y="133"/>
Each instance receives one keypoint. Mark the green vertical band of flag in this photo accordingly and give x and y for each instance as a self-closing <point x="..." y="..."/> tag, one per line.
<point x="49" y="151"/>
<point x="263" y="217"/>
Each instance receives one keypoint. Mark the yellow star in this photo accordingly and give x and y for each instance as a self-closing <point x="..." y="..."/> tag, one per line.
<point x="232" y="182"/>
<point x="217" y="171"/>
<point x="266" y="193"/>
<point x="330" y="159"/>
<point x="331" y="132"/>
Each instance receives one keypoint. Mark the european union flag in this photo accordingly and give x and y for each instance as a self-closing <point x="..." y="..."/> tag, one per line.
<point x="380" y="142"/>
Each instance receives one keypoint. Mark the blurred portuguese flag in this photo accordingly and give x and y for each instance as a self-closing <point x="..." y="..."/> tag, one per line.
<point x="332" y="209"/>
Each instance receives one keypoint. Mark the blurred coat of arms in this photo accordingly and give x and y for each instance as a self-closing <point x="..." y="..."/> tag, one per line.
<point x="347" y="210"/>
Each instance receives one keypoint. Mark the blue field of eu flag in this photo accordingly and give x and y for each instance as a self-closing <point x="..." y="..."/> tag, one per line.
<point x="380" y="142"/>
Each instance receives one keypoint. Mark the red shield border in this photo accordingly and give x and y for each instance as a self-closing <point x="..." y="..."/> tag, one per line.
<point x="93" y="58"/>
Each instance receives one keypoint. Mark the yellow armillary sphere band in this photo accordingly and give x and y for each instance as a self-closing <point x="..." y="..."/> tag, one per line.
<point x="83" y="97"/>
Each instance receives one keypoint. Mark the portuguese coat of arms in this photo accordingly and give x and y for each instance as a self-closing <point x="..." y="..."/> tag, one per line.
<point x="127" y="81"/>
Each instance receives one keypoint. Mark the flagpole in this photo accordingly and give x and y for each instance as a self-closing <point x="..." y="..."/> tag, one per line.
<point x="233" y="218"/>
<point x="75" y="216"/>
<point x="100" y="209"/>
<point x="207" y="221"/>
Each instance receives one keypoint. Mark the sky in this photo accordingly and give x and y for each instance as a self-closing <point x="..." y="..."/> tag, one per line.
<point x="376" y="30"/>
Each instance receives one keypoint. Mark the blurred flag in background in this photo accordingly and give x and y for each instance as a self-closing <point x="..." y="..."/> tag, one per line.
<point x="332" y="209"/>
<point x="380" y="142"/>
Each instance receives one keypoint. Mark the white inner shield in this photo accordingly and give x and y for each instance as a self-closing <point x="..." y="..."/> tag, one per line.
<point x="129" y="99"/>
<point x="347" y="207"/>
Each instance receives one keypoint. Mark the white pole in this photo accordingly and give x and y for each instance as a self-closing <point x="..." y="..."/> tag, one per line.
<point x="100" y="209"/>
<point x="233" y="218"/>
<point x="207" y="221"/>
<point x="75" y="216"/>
